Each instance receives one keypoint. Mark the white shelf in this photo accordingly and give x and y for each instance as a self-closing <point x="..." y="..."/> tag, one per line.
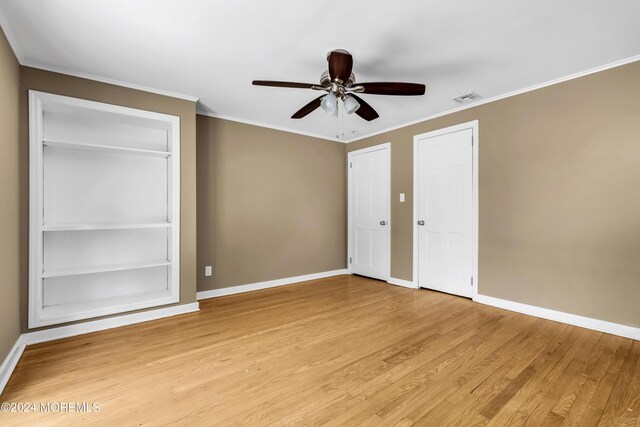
<point x="83" y="226"/>
<point x="52" y="314"/>
<point x="58" y="272"/>
<point x="103" y="148"/>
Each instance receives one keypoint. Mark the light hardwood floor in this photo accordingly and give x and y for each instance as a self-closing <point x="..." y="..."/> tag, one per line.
<point x="339" y="351"/>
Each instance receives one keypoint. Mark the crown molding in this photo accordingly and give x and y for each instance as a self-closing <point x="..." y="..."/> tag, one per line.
<point x="13" y="42"/>
<point x="107" y="80"/>
<point x="503" y="96"/>
<point x="264" y="125"/>
<point x="14" y="46"/>
<point x="444" y="113"/>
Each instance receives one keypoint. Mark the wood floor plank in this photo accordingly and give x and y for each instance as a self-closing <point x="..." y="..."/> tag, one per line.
<point x="621" y="405"/>
<point x="342" y="351"/>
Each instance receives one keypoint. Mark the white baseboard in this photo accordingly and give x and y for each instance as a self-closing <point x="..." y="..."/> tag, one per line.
<point x="10" y="362"/>
<point x="111" y="322"/>
<point x="214" y="293"/>
<point x="559" y="316"/>
<point x="401" y="282"/>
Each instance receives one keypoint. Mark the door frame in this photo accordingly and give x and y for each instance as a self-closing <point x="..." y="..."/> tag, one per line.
<point x="473" y="125"/>
<point x="384" y="146"/>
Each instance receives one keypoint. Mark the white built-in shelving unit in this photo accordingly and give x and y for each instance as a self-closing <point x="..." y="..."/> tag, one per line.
<point x="104" y="209"/>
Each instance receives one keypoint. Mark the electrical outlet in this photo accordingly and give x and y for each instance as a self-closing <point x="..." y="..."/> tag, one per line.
<point x="208" y="270"/>
<point x="401" y="197"/>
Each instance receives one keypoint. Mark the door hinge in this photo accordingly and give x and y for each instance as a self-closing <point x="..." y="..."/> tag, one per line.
<point x="350" y="260"/>
<point x="472" y="281"/>
<point x="350" y="165"/>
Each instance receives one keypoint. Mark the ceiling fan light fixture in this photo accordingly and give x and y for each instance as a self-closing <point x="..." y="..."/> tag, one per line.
<point x="350" y="104"/>
<point x="330" y="104"/>
<point x="340" y="84"/>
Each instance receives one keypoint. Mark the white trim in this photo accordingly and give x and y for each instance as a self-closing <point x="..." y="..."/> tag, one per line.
<point x="109" y="323"/>
<point x="70" y="101"/>
<point x="10" y="362"/>
<point x="414" y="218"/>
<point x="87" y="76"/>
<point x="264" y="125"/>
<point x="573" y="76"/>
<point x="314" y="135"/>
<point x="384" y="146"/>
<point x="560" y="316"/>
<point x="215" y="293"/>
<point x="35" y="199"/>
<point x="474" y="126"/>
<point x="503" y="96"/>
<point x="401" y="282"/>
<point x="475" y="244"/>
<point x="4" y="24"/>
<point x="13" y="42"/>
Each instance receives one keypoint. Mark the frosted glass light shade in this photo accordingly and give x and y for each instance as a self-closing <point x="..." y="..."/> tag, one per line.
<point x="351" y="105"/>
<point x="330" y="104"/>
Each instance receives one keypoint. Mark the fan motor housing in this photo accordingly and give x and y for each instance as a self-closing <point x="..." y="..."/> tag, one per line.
<point x="325" y="80"/>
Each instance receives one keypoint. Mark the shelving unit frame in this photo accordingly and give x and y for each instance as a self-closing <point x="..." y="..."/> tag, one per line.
<point x="43" y="315"/>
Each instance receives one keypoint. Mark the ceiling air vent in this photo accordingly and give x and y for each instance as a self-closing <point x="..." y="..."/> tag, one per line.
<point x="467" y="98"/>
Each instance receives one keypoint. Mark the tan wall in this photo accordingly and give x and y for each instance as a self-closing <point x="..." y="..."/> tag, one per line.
<point x="559" y="195"/>
<point x="60" y="84"/>
<point x="10" y="238"/>
<point x="271" y="204"/>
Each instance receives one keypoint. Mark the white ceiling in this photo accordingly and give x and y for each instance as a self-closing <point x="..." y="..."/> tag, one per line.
<point x="214" y="49"/>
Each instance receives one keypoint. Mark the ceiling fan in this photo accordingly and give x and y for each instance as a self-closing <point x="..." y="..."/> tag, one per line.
<point x="340" y="84"/>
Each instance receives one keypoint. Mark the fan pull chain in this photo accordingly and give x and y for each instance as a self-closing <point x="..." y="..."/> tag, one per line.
<point x="338" y="119"/>
<point x="342" y="120"/>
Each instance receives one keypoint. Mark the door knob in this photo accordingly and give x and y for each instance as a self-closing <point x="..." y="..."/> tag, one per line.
<point x="383" y="223"/>
<point x="421" y="222"/>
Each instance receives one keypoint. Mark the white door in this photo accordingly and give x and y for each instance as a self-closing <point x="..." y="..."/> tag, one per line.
<point x="444" y="198"/>
<point x="369" y="212"/>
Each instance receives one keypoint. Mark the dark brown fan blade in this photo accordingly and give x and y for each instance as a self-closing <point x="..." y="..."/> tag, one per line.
<point x="340" y="65"/>
<point x="307" y="108"/>
<point x="389" y="88"/>
<point x="283" y="84"/>
<point x="365" y="110"/>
